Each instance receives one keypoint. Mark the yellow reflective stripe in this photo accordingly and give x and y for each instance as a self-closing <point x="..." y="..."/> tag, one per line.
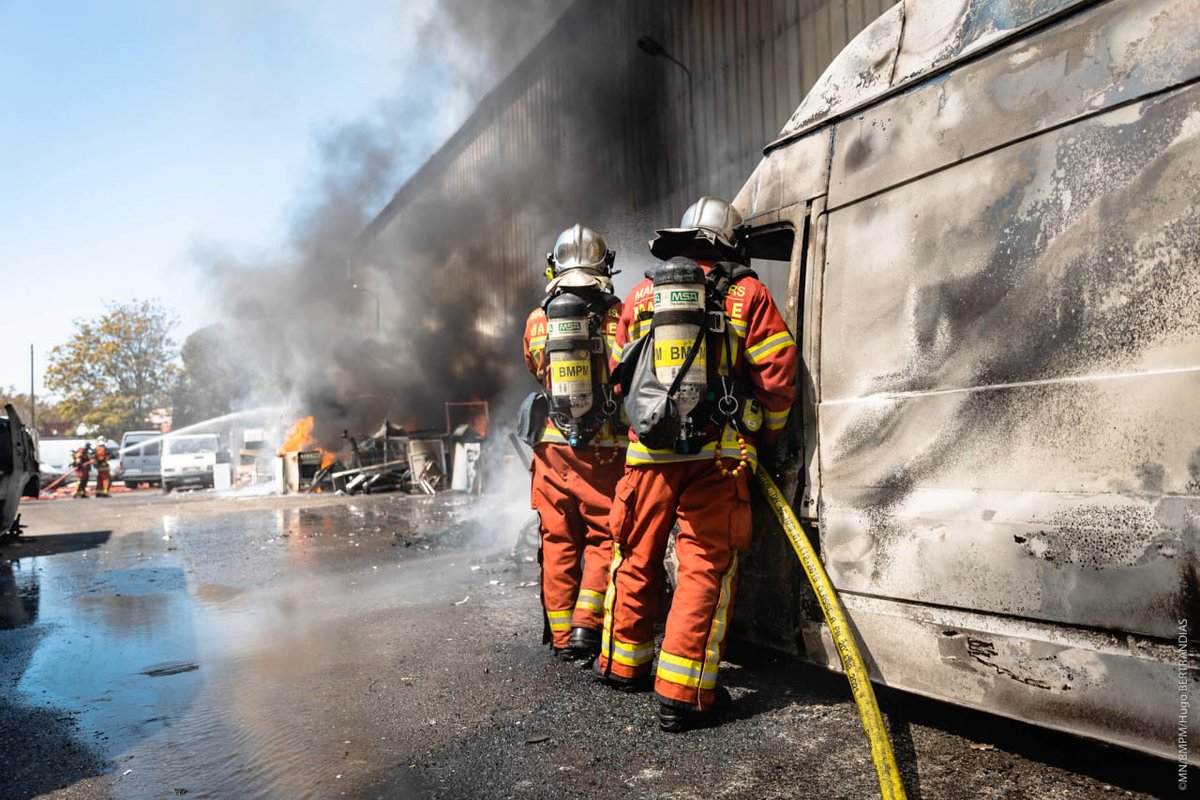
<point x="552" y="434"/>
<point x="738" y="325"/>
<point x="537" y="342"/>
<point x="720" y="621"/>
<point x="610" y="594"/>
<point x="631" y="655"/>
<point x="686" y="672"/>
<point x="590" y="599"/>
<point x="639" y="454"/>
<point x="638" y="328"/>
<point x="560" y="620"/>
<point x="777" y="419"/>
<point x="766" y="347"/>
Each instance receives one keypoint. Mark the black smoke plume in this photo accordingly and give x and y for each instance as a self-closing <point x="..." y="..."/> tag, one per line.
<point x="453" y="272"/>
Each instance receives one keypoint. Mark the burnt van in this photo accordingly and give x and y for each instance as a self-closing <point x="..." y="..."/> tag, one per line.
<point x="989" y="212"/>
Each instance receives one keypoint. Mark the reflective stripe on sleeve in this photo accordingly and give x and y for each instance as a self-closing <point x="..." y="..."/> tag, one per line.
<point x="776" y="420"/>
<point x="772" y="344"/>
<point x="638" y="329"/>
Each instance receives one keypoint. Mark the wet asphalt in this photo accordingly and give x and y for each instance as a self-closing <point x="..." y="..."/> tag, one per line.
<point x="389" y="646"/>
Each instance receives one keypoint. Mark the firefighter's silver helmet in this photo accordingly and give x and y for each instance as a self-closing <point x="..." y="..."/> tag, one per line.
<point x="580" y="258"/>
<point x="707" y="223"/>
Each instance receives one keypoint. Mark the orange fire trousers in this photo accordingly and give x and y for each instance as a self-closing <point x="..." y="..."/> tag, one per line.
<point x="713" y="512"/>
<point x="572" y="492"/>
<point x="103" y="480"/>
<point x="81" y="480"/>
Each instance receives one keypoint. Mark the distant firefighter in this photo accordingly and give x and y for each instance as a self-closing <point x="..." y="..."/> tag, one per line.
<point x="579" y="450"/>
<point x="103" y="472"/>
<point x="81" y="463"/>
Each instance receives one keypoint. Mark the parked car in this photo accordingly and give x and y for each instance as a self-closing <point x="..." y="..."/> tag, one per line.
<point x="189" y="459"/>
<point x="141" y="461"/>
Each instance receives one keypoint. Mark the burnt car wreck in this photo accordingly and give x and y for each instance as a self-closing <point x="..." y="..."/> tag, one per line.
<point x="18" y="469"/>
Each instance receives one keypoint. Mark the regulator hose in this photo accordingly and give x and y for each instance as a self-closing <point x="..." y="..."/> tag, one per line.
<point x="890" y="785"/>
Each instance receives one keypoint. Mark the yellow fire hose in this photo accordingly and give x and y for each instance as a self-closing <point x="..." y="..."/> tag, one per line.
<point x="890" y="785"/>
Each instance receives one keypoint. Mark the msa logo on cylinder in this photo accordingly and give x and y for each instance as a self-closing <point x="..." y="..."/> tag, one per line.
<point x="565" y="326"/>
<point x="676" y="297"/>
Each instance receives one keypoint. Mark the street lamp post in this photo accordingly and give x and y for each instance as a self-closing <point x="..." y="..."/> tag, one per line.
<point x="375" y="297"/>
<point x="654" y="48"/>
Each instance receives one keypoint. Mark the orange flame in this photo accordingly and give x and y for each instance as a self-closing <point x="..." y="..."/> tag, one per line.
<point x="301" y="438"/>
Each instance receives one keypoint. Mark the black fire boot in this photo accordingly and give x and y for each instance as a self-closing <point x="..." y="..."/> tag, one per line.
<point x="583" y="644"/>
<point x="677" y="717"/>
<point x="621" y="683"/>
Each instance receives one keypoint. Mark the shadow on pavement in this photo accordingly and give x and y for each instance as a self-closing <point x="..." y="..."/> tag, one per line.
<point x="53" y="544"/>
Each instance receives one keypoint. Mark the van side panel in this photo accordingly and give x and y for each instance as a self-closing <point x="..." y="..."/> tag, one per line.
<point x="1010" y="415"/>
<point x="1095" y="60"/>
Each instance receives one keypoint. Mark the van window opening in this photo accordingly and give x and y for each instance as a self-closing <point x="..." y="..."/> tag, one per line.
<point x="771" y="256"/>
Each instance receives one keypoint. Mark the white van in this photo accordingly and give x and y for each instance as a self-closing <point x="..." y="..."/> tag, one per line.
<point x="189" y="459"/>
<point x="140" y="458"/>
<point x="990" y="215"/>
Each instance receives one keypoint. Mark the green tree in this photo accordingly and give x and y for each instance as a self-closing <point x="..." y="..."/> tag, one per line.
<point x="46" y="407"/>
<point x="19" y="400"/>
<point x="213" y="379"/>
<point x="118" y="369"/>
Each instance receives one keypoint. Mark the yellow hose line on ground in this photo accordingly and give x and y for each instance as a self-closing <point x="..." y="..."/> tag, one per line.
<point x="890" y="785"/>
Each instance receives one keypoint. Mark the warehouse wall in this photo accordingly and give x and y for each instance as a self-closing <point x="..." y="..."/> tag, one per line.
<point x="589" y="128"/>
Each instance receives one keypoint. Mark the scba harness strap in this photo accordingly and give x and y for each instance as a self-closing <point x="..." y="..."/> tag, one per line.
<point x="657" y="420"/>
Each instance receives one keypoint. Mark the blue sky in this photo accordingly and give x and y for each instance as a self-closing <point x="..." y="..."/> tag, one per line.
<point x="133" y="134"/>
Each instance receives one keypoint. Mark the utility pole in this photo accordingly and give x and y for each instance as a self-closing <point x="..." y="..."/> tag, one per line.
<point x="32" y="404"/>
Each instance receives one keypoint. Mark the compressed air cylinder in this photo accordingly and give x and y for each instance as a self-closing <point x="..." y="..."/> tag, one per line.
<point x="678" y="313"/>
<point x="569" y="346"/>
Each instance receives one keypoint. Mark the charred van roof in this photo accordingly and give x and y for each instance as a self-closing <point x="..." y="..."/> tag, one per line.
<point x="910" y="42"/>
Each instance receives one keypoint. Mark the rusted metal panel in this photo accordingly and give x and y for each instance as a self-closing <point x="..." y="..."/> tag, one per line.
<point x="1094" y="60"/>
<point x="1009" y="416"/>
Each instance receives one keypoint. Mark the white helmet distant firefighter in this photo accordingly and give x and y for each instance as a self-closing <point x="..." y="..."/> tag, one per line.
<point x="574" y="425"/>
<point x="580" y="259"/>
<point x="710" y="230"/>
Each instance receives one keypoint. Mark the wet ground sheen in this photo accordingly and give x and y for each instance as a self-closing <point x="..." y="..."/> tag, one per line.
<point x="388" y="646"/>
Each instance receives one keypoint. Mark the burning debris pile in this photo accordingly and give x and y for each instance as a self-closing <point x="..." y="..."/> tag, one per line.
<point x="392" y="458"/>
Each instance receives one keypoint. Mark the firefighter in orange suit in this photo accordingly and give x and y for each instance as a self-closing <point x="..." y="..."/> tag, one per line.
<point x="81" y="462"/>
<point x="735" y="391"/>
<point x="103" y="472"/>
<point x="579" y="453"/>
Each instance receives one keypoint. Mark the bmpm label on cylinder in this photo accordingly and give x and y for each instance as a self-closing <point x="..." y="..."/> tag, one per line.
<point x="673" y="352"/>
<point x="571" y="372"/>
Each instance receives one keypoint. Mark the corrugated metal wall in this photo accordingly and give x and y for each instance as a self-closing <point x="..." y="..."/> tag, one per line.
<point x="589" y="128"/>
